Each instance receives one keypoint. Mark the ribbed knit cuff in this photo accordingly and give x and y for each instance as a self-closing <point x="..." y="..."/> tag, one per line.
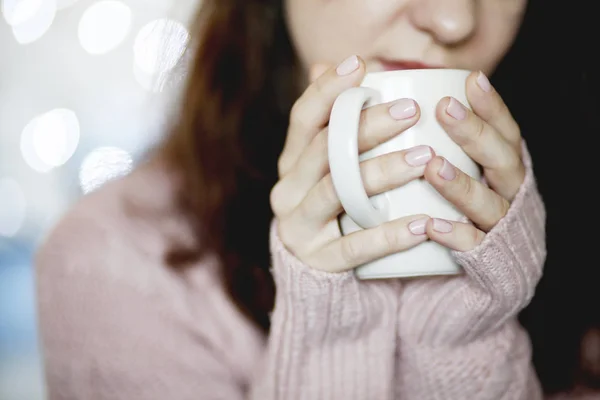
<point x="332" y="336"/>
<point x="491" y="368"/>
<point x="500" y="278"/>
<point x="508" y="264"/>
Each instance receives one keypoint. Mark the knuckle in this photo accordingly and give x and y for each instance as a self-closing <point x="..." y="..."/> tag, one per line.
<point x="512" y="162"/>
<point x="319" y="85"/>
<point x="493" y="216"/>
<point x="392" y="237"/>
<point x="376" y="172"/>
<point x="317" y="153"/>
<point x="476" y="236"/>
<point x="479" y="130"/>
<point x="275" y="199"/>
<point x="326" y="192"/>
<point x="504" y="207"/>
<point x="320" y="142"/>
<point x="304" y="211"/>
<point x="282" y="165"/>
<point x="365" y="125"/>
<point x="350" y="250"/>
<point x="312" y="202"/>
<point x="375" y="126"/>
<point x="286" y="233"/>
<point x="467" y="190"/>
<point x="516" y="138"/>
<point x="298" y="113"/>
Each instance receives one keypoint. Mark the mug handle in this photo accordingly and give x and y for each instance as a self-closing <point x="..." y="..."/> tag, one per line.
<point x="343" y="157"/>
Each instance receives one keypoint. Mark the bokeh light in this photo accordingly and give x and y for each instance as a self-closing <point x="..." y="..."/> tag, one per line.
<point x="29" y="19"/>
<point x="50" y="139"/>
<point x="103" y="26"/>
<point x="102" y="165"/>
<point x="75" y="75"/>
<point x="16" y="12"/>
<point x="157" y="49"/>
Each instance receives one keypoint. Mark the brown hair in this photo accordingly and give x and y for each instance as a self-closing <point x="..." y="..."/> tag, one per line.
<point x="225" y="144"/>
<point x="227" y="139"/>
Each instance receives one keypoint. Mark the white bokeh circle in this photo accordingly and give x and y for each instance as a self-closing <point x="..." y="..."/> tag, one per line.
<point x="102" y="165"/>
<point x="16" y="12"/>
<point x="159" y="45"/>
<point x="104" y="25"/>
<point x="50" y="139"/>
<point x="29" y="19"/>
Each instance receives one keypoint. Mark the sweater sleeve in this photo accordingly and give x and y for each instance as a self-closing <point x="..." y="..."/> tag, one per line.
<point x="107" y="336"/>
<point x="459" y="335"/>
<point x="332" y="337"/>
<point x="109" y="331"/>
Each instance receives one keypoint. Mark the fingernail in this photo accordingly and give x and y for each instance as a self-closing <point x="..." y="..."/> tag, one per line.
<point x="447" y="171"/>
<point x="403" y="109"/>
<point x="483" y="82"/>
<point x="348" y="66"/>
<point x="440" y="225"/>
<point x="419" y="155"/>
<point x="456" y="110"/>
<point x="418" y="227"/>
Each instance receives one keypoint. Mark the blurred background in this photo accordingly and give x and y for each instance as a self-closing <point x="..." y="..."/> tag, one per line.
<point x="85" y="88"/>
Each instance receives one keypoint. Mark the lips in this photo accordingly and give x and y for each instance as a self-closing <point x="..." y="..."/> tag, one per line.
<point x="398" y="65"/>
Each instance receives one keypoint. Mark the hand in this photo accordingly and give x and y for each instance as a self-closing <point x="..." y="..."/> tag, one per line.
<point x="500" y="277"/>
<point x="491" y="137"/>
<point x="304" y="200"/>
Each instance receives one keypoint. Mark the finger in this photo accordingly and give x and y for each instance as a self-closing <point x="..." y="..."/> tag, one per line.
<point x="479" y="203"/>
<point x="488" y="105"/>
<point x="366" y="245"/>
<point x="317" y="70"/>
<point x="503" y="166"/>
<point x="455" y="235"/>
<point x="379" y="175"/>
<point x="378" y="124"/>
<point x="311" y="111"/>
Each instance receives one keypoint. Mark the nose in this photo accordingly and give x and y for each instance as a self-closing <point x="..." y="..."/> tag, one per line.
<point x="448" y="21"/>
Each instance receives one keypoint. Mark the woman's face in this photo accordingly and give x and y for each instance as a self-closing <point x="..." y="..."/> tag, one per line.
<point x="404" y="34"/>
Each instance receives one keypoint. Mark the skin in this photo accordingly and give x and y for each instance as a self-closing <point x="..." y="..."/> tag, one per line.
<point x="467" y="34"/>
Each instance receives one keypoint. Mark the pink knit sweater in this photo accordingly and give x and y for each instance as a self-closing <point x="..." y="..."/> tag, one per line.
<point x="118" y="323"/>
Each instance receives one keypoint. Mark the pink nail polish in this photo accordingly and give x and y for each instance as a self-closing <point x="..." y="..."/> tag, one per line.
<point x="348" y="66"/>
<point x="456" y="110"/>
<point x="418" y="227"/>
<point x="442" y="226"/>
<point x="447" y="171"/>
<point x="403" y="109"/>
<point x="483" y="82"/>
<point x="417" y="156"/>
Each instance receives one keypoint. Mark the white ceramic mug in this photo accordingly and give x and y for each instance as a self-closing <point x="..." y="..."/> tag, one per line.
<point x="427" y="87"/>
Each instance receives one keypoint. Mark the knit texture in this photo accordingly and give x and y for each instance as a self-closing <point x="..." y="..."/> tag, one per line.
<point x="117" y="323"/>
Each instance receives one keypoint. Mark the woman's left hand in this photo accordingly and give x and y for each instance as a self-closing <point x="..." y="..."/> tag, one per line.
<point x="492" y="138"/>
<point x="478" y="308"/>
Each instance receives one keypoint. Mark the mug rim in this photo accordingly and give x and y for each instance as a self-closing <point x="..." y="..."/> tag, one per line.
<point x="417" y="71"/>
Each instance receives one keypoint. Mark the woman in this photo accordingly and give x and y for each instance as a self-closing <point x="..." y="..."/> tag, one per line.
<point x="162" y="284"/>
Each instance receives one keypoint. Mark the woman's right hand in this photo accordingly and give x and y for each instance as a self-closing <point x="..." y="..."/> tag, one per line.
<point x="304" y="200"/>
